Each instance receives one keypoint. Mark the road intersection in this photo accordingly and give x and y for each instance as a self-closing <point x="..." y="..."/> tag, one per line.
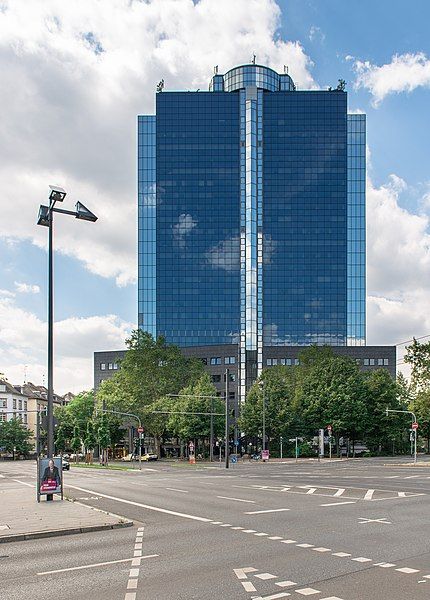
<point x="353" y="530"/>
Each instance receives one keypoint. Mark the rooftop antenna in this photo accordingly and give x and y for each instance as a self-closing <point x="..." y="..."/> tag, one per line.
<point x="25" y="374"/>
<point x="160" y="86"/>
<point x="254" y="57"/>
<point x="216" y="70"/>
<point x="286" y="69"/>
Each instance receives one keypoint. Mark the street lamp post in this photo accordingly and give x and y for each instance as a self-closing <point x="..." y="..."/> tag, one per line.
<point x="414" y="419"/>
<point x="46" y="218"/>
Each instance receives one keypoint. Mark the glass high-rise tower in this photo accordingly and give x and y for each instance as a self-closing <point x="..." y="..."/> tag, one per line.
<point x="252" y="217"/>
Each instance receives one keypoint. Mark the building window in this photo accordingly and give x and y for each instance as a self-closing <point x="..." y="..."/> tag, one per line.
<point x="231" y="377"/>
<point x="288" y="362"/>
<point x="358" y="361"/>
<point x="204" y="361"/>
<point x="269" y="362"/>
<point x="25" y="404"/>
<point x="115" y="366"/>
<point x="230" y="360"/>
<point x="3" y="416"/>
<point x="20" y="404"/>
<point x="215" y="360"/>
<point x="296" y="361"/>
<point x="14" y="403"/>
<point x="216" y="378"/>
<point x="366" y="362"/>
<point x="231" y="395"/>
<point x="110" y="366"/>
<point x="103" y="366"/>
<point x="386" y="363"/>
<point x="372" y="362"/>
<point x="380" y="362"/>
<point x="25" y="419"/>
<point x="3" y="402"/>
<point x="2" y="387"/>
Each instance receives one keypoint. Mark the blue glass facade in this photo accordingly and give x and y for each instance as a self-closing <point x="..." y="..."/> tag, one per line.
<point x="252" y="217"/>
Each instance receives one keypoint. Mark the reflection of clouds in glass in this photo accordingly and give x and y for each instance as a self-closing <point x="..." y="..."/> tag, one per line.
<point x="182" y="228"/>
<point x="271" y="337"/>
<point x="226" y="254"/>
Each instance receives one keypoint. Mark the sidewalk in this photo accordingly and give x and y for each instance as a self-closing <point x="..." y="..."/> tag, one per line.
<point x="23" y="518"/>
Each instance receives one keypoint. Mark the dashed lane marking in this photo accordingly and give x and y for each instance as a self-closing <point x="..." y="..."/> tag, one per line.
<point x="308" y="591"/>
<point x="272" y="510"/>
<point x="407" y="570"/>
<point x="339" y="503"/>
<point x="177" y="490"/>
<point x="236" y="499"/>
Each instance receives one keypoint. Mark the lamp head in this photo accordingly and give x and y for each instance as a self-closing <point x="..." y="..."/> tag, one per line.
<point x="43" y="217"/>
<point x="57" y="193"/>
<point x="83" y="213"/>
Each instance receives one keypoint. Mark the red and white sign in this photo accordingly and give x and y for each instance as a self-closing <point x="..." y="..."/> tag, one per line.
<point x="191" y="446"/>
<point x="265" y="455"/>
<point x="415" y="425"/>
<point x="140" y="430"/>
<point x="329" y="428"/>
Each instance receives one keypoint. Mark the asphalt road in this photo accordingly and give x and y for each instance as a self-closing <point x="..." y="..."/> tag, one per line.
<point x="350" y="530"/>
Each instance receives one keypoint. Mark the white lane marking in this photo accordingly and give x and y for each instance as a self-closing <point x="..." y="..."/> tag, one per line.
<point x="402" y="494"/>
<point x="130" y="596"/>
<point x="132" y="584"/>
<point x="261" y="534"/>
<point x="176" y="490"/>
<point x="286" y="583"/>
<point x="288" y="541"/>
<point x="238" y="528"/>
<point x="340" y="503"/>
<point x="308" y="591"/>
<point x="95" y="565"/>
<point x="339" y="492"/>
<point x="225" y="525"/>
<point x="412" y="477"/>
<point x="275" y="537"/>
<point x="322" y="549"/>
<point x="368" y="495"/>
<point x="305" y="545"/>
<point x="265" y="576"/>
<point x="236" y="499"/>
<point x="24" y="483"/>
<point x="362" y="559"/>
<point x="332" y="598"/>
<point x="311" y="491"/>
<point x="341" y="554"/>
<point x="248" y="586"/>
<point x="134" y="573"/>
<point x="249" y="530"/>
<point x="272" y="510"/>
<point x="240" y="573"/>
<point x="384" y="565"/>
<point x="272" y="597"/>
<point x="407" y="570"/>
<point x="147" y="506"/>
<point x="364" y="520"/>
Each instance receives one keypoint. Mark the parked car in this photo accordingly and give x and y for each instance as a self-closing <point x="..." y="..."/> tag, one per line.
<point x="129" y="457"/>
<point x="66" y="465"/>
<point x="149" y="456"/>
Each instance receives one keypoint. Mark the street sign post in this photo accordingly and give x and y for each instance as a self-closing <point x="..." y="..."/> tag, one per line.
<point x="415" y="426"/>
<point x="329" y="429"/>
<point x="191" y="449"/>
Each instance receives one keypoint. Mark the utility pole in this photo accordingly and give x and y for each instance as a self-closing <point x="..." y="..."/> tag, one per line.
<point x="211" y="449"/>
<point x="227" y="421"/>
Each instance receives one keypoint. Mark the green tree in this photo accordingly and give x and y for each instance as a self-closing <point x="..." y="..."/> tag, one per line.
<point x="194" y="399"/>
<point x="76" y="441"/>
<point x="281" y="417"/>
<point x="90" y="441"/>
<point x="418" y="356"/>
<point x="14" y="437"/>
<point x="420" y="405"/>
<point x="150" y="371"/>
<point x="103" y="436"/>
<point x="382" y="434"/>
<point x="330" y="391"/>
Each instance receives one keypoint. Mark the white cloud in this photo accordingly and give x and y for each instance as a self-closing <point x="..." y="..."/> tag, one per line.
<point x="398" y="251"/>
<point x="26" y="288"/>
<point x="6" y="294"/>
<point x="74" y="77"/>
<point x="182" y="228"/>
<point x="23" y="346"/>
<point x="404" y="73"/>
<point x="316" y="34"/>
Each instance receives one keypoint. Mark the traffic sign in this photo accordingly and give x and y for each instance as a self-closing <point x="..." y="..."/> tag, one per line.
<point x="233" y="459"/>
<point x="329" y="427"/>
<point x="415" y="425"/>
<point x="265" y="455"/>
<point x="140" y="430"/>
<point x="191" y="445"/>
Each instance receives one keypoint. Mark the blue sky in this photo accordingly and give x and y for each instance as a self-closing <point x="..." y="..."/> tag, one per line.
<point x="80" y="74"/>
